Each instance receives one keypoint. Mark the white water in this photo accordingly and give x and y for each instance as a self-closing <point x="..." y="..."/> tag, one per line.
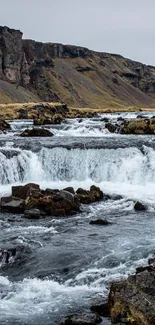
<point x="125" y="171"/>
<point x="128" y="165"/>
<point x="128" y="171"/>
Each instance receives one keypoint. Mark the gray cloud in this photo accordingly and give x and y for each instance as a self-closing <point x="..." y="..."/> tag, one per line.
<point x="118" y="26"/>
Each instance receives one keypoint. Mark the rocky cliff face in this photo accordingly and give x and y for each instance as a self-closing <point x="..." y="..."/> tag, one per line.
<point x="76" y="75"/>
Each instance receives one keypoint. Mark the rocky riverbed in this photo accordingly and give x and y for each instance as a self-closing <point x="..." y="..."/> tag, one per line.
<point x="77" y="215"/>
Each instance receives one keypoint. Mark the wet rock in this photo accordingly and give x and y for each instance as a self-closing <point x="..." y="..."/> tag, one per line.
<point x="53" y="207"/>
<point x="120" y="119"/>
<point x="64" y="195"/>
<point x="86" y="319"/>
<point x="139" y="206"/>
<point x="69" y="189"/>
<point x="111" y="127"/>
<point x="100" y="222"/>
<point x="116" y="197"/>
<point x="89" y="196"/>
<point x="104" y="119"/>
<point x="12" y="205"/>
<point x="132" y="301"/>
<point x="4" y="126"/>
<point x="151" y="260"/>
<point x="10" y="254"/>
<point x="30" y="189"/>
<point x="144" y="268"/>
<point x="32" y="214"/>
<point x="50" y="192"/>
<point x="36" y="133"/>
<point x="101" y="308"/>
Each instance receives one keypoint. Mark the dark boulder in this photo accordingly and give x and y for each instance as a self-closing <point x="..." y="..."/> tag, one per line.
<point x="139" y="206"/>
<point x="101" y="308"/>
<point x="86" y="319"/>
<point x="32" y="214"/>
<point x="151" y="260"/>
<point x="4" y="126"/>
<point x="36" y="133"/>
<point x="111" y="127"/>
<point x="12" y="205"/>
<point x="64" y="195"/>
<point x="100" y="222"/>
<point x="27" y="190"/>
<point x="69" y="189"/>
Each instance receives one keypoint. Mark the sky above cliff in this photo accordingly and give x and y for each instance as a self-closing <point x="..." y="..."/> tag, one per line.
<point x="117" y="26"/>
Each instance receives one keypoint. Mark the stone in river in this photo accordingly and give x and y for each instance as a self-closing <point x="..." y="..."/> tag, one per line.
<point x="139" y="206"/>
<point x="36" y="133"/>
<point x="100" y="222"/>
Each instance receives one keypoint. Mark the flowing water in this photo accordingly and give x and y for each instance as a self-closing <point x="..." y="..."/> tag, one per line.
<point x="65" y="264"/>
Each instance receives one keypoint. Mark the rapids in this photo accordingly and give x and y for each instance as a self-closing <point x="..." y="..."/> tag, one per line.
<point x="66" y="263"/>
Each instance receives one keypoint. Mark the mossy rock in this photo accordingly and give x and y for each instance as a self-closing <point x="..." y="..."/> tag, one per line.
<point x="146" y="126"/>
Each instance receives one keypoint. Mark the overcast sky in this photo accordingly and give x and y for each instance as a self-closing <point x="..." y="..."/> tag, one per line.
<point x="125" y="27"/>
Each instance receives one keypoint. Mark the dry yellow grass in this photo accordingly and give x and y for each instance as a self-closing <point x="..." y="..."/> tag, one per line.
<point x="10" y="111"/>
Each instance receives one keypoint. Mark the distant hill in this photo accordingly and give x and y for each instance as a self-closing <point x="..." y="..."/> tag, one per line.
<point x="34" y="71"/>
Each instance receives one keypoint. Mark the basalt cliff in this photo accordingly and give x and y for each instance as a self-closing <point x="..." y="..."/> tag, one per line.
<point x="35" y="71"/>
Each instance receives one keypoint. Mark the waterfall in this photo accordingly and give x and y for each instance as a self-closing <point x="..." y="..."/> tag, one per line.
<point x="129" y="165"/>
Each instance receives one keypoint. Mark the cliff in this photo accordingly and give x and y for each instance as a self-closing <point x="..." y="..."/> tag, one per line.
<point x="34" y="71"/>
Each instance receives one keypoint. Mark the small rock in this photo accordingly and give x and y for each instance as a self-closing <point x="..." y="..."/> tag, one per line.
<point x="139" y="206"/>
<point x="69" y="189"/>
<point x="61" y="195"/>
<point x="32" y="214"/>
<point x="100" y="222"/>
<point x="4" y="126"/>
<point x="36" y="133"/>
<point x="111" y="127"/>
<point x="151" y="260"/>
<point x="102" y="308"/>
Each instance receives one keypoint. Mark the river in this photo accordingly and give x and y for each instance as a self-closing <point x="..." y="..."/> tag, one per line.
<point x="65" y="264"/>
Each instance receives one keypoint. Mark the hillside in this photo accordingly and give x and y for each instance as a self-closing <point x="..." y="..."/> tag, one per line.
<point x="34" y="71"/>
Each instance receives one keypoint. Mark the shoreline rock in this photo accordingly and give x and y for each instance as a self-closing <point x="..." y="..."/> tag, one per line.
<point x="132" y="301"/>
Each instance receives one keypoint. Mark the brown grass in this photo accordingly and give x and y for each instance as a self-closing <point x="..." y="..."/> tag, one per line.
<point x="10" y="111"/>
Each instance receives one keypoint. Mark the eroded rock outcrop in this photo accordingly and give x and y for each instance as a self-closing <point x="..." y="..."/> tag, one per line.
<point x="74" y="74"/>
<point x="13" y="64"/>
